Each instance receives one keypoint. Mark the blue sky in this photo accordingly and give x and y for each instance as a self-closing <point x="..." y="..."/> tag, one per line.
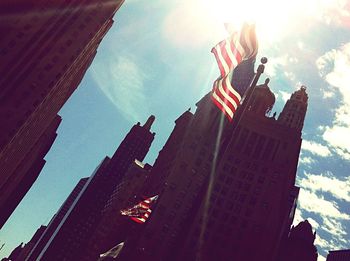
<point x="156" y="60"/>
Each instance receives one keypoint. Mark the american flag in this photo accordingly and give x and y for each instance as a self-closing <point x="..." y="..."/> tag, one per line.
<point x="229" y="53"/>
<point x="141" y="211"/>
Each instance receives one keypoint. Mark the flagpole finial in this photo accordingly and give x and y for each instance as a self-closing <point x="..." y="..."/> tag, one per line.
<point x="263" y="60"/>
<point x="260" y="69"/>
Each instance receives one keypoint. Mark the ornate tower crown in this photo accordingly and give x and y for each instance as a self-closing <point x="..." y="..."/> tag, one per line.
<point x="293" y="113"/>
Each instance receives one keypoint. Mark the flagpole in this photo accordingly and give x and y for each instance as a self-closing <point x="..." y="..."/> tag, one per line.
<point x="250" y="91"/>
<point x="245" y="101"/>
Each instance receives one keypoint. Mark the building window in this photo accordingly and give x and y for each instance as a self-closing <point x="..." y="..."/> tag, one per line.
<point x="69" y="42"/>
<point x="242" y="139"/>
<point x="259" y="147"/>
<point x="165" y="228"/>
<point x="198" y="162"/>
<point x="48" y="67"/>
<point x="242" y="197"/>
<point x="251" y="143"/>
<point x="252" y="201"/>
<point x="268" y="149"/>
<point x="233" y="171"/>
<point x="261" y="179"/>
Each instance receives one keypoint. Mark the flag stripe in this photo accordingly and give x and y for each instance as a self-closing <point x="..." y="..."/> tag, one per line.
<point x="221" y="105"/>
<point x="141" y="211"/>
<point x="222" y="93"/>
<point x="221" y="60"/>
<point x="234" y="53"/>
<point x="228" y="54"/>
<point x="225" y="96"/>
<point x="221" y="68"/>
<point x="224" y="104"/>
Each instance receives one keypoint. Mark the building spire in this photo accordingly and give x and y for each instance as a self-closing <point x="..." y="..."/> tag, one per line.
<point x="149" y="122"/>
<point x="293" y="113"/>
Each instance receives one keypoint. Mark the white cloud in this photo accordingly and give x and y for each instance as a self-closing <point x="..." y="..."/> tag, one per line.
<point x="306" y="160"/>
<point x="290" y="76"/>
<point x="327" y="94"/>
<point x="321" y="258"/>
<point x="317" y="204"/>
<point x="319" y="241"/>
<point x="300" y="45"/>
<point x="187" y="26"/>
<point x="334" y="67"/>
<point x="298" y="217"/>
<point x="285" y="95"/>
<point x="313" y="223"/>
<point x="315" y="148"/>
<point x="122" y="81"/>
<point x="330" y="12"/>
<point x="312" y="200"/>
<point x="275" y="63"/>
<point x="339" y="189"/>
<point x="334" y="227"/>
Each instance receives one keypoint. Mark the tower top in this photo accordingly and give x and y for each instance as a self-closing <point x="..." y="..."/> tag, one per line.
<point x="149" y="122"/>
<point x="262" y="99"/>
<point x="300" y="95"/>
<point x="293" y="113"/>
<point x="303" y="231"/>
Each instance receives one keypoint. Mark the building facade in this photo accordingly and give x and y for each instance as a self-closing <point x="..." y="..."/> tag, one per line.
<point x="72" y="236"/>
<point x="47" y="49"/>
<point x="300" y="244"/>
<point x="339" y="255"/>
<point x="55" y="221"/>
<point x="226" y="191"/>
<point x="113" y="227"/>
<point x="27" y="171"/>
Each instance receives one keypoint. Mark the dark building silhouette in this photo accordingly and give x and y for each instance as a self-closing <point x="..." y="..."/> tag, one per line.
<point x="339" y="255"/>
<point x="14" y="254"/>
<point x="226" y="190"/>
<point x="45" y="50"/>
<point x="55" y="221"/>
<point x="300" y="244"/>
<point x="16" y="186"/>
<point x="79" y="223"/>
<point x="114" y="228"/>
<point x="20" y="252"/>
<point x="29" y="246"/>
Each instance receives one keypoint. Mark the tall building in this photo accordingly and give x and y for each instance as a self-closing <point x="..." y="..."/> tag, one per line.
<point x="339" y="255"/>
<point x="226" y="191"/>
<point x="16" y="187"/>
<point x="29" y="246"/>
<point x="300" y="244"/>
<point x="55" y="221"/>
<point x="78" y="222"/>
<point x="114" y="228"/>
<point x="252" y="194"/>
<point x="74" y="231"/>
<point x="20" y="252"/>
<point x="45" y="50"/>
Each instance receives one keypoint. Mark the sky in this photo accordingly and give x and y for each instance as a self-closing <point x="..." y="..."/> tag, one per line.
<point x="156" y="60"/>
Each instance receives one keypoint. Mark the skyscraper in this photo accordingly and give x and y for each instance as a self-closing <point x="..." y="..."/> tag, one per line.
<point x="248" y="203"/>
<point x="29" y="246"/>
<point x="339" y="255"/>
<point x="300" y="244"/>
<point x="16" y="186"/>
<point x="45" y="50"/>
<point x="114" y="228"/>
<point x="226" y="191"/>
<point x="75" y="229"/>
<point x="56" y="220"/>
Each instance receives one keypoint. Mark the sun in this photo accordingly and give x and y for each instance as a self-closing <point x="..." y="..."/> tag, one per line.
<point x="273" y="18"/>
